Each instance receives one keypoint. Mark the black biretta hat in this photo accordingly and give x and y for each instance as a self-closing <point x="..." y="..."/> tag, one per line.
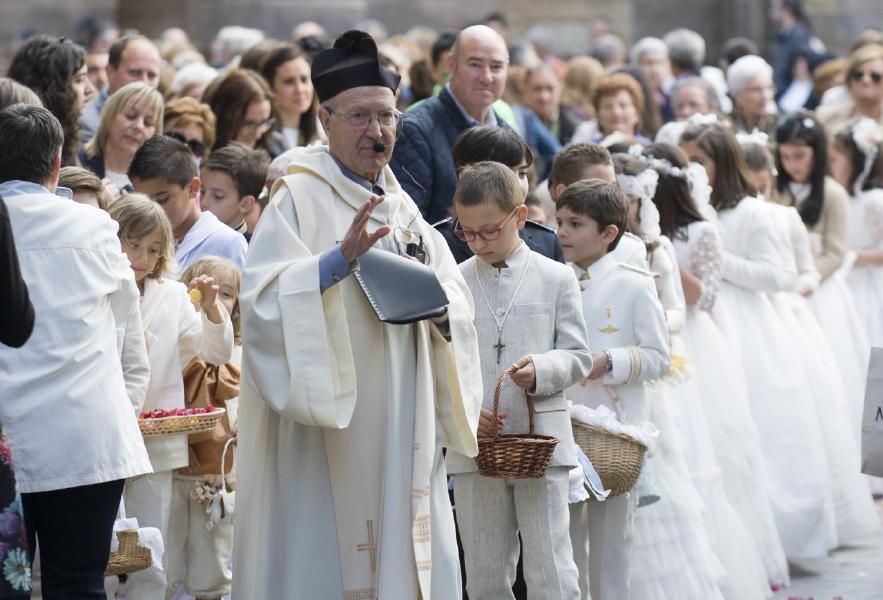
<point x="351" y="63"/>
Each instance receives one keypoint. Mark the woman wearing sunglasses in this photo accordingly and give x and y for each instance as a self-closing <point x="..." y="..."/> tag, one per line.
<point x="190" y="121"/>
<point x="864" y="81"/>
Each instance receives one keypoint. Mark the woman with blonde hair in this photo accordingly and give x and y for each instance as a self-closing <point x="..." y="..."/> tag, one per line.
<point x="618" y="102"/>
<point x="190" y="121"/>
<point x="580" y="78"/>
<point x="131" y="115"/>
<point x="864" y="82"/>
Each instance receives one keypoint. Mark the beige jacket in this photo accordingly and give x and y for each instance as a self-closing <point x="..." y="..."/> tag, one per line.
<point x="828" y="235"/>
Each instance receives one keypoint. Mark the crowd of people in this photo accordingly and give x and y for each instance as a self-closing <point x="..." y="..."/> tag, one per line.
<point x="646" y="244"/>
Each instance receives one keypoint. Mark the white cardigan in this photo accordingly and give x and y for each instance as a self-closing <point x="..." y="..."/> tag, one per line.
<point x="175" y="334"/>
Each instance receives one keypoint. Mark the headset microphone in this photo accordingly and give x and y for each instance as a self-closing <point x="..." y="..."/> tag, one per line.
<point x="379" y="147"/>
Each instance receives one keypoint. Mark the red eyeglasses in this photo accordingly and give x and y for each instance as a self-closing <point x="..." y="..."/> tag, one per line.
<point x="488" y="235"/>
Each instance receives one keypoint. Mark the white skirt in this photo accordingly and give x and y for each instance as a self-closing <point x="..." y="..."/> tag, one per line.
<point x="672" y="557"/>
<point x="854" y="511"/>
<point x="781" y="405"/>
<point x="752" y="555"/>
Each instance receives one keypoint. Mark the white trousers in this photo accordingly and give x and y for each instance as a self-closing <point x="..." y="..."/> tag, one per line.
<point x="149" y="499"/>
<point x="602" y="534"/>
<point x="197" y="557"/>
<point x="491" y="513"/>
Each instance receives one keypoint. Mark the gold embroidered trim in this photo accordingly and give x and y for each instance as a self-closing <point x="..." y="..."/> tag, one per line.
<point x="424" y="566"/>
<point x="363" y="594"/>
<point x="419" y="493"/>
<point x="422" y="530"/>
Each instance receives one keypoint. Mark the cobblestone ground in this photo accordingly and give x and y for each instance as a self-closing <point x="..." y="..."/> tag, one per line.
<point x="849" y="573"/>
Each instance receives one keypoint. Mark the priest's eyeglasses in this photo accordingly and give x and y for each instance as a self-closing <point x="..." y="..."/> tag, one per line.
<point x="360" y="119"/>
<point x="489" y="234"/>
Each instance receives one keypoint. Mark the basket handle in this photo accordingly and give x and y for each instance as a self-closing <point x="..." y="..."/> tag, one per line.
<point x="498" y="390"/>
<point x="224" y="462"/>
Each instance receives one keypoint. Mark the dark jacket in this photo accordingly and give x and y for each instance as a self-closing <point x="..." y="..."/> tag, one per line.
<point x="538" y="238"/>
<point x="94" y="164"/>
<point x="17" y="315"/>
<point x="422" y="160"/>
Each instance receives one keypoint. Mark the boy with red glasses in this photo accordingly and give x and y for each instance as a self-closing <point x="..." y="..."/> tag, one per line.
<point x="529" y="319"/>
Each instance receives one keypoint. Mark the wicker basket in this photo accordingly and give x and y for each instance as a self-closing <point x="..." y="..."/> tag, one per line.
<point x="181" y="424"/>
<point x="617" y="458"/>
<point x="129" y="557"/>
<point x="514" y="456"/>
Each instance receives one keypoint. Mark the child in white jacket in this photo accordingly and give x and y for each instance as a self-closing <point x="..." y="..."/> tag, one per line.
<point x="175" y="333"/>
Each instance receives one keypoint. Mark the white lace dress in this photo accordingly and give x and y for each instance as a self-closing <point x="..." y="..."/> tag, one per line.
<point x="753" y="555"/>
<point x="866" y="282"/>
<point x="672" y="556"/>
<point x="853" y="510"/>
<point x="796" y="469"/>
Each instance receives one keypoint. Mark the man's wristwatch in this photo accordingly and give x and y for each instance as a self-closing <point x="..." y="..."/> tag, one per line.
<point x="609" y="361"/>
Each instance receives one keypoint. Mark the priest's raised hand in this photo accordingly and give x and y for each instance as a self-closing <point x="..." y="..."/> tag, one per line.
<point x="357" y="240"/>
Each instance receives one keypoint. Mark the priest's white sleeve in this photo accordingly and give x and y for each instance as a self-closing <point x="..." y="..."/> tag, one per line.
<point x="296" y="347"/>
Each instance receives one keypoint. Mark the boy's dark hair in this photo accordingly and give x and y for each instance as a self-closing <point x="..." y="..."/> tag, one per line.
<point x="572" y="162"/>
<point x="442" y="44"/>
<point x="491" y="143"/>
<point x="32" y="138"/>
<point x="247" y="167"/>
<point x="601" y="201"/>
<point x="488" y="182"/>
<point x="163" y="157"/>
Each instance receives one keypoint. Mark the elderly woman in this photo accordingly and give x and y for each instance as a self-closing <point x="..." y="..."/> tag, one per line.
<point x="864" y="81"/>
<point x="694" y="95"/>
<point x="541" y="93"/>
<point x="192" y="122"/>
<point x="650" y="55"/>
<point x="751" y="84"/>
<point x="131" y="115"/>
<point x="618" y="102"/>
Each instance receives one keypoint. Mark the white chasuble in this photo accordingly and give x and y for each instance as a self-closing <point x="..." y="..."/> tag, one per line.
<point x="342" y="490"/>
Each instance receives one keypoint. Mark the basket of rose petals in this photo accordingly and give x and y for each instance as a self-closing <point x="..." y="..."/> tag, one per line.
<point x="179" y="420"/>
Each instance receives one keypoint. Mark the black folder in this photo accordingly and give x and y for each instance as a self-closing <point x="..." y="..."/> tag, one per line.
<point x="400" y="290"/>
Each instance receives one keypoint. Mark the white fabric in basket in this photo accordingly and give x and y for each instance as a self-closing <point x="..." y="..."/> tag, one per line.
<point x="605" y="418"/>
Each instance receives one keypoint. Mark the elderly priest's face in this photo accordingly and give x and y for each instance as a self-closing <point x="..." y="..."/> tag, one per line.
<point x="357" y="119"/>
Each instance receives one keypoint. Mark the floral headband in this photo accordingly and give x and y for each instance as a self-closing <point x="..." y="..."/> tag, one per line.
<point x="643" y="186"/>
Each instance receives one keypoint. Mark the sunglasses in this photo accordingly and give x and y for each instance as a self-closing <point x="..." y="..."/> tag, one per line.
<point x="197" y="148"/>
<point x="860" y="75"/>
<point x="489" y="235"/>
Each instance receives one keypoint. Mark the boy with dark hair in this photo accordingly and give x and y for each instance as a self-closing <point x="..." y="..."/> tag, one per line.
<point x="232" y="180"/>
<point x="527" y="315"/>
<point x="163" y="169"/>
<point x="626" y="327"/>
<point x="582" y="162"/>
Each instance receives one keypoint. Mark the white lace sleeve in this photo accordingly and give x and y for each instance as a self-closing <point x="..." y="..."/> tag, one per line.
<point x="705" y="263"/>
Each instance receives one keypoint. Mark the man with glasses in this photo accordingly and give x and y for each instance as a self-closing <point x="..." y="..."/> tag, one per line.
<point x="342" y="417"/>
<point x="422" y="160"/>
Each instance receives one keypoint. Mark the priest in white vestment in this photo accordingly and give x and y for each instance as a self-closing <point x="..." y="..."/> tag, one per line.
<point x="342" y="489"/>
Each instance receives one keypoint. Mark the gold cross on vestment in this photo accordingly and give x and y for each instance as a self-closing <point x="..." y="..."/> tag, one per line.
<point x="371" y="547"/>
